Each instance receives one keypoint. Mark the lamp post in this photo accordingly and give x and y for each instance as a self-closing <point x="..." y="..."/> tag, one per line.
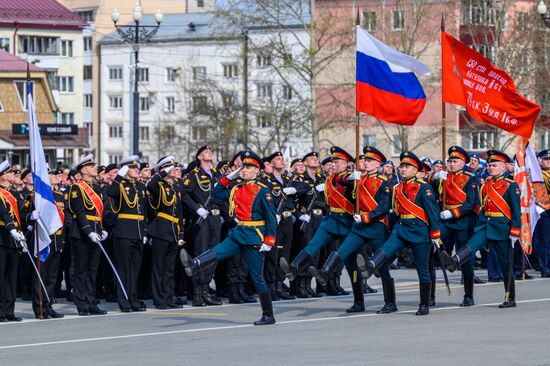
<point x="543" y="12"/>
<point x="134" y="34"/>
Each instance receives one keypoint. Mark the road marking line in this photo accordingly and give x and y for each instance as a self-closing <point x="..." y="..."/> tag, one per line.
<point x="182" y="331"/>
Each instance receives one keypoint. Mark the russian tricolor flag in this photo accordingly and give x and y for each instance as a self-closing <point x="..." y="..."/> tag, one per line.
<point x="386" y="86"/>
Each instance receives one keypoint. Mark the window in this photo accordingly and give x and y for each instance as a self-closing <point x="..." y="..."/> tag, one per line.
<point x="478" y="140"/>
<point x="199" y="73"/>
<point x="396" y="145"/>
<point x="115" y="131"/>
<point x="263" y="59"/>
<point x="88" y="72"/>
<point x="287" y="92"/>
<point x="198" y="133"/>
<point x="398" y="20"/>
<point x="287" y="60"/>
<point x="170" y="104"/>
<point x="369" y="140"/>
<point x="39" y="45"/>
<point x="144" y="133"/>
<point x="87" y="44"/>
<point x="171" y="74"/>
<point x="115" y="158"/>
<point x="67" y="48"/>
<point x="544" y="140"/>
<point x="200" y="3"/>
<point x="523" y="21"/>
<point x="5" y="44"/>
<point x="478" y="12"/>
<point x="200" y="104"/>
<point x="115" y="72"/>
<point x="90" y="127"/>
<point x="144" y="104"/>
<point x="86" y="15"/>
<point x="115" y="102"/>
<point x="486" y="50"/>
<point x="88" y="100"/>
<point x="1" y="107"/>
<point x="66" y="118"/>
<point x="263" y="121"/>
<point x="143" y="74"/>
<point x="66" y="84"/>
<point x="265" y="90"/>
<point x="169" y="132"/>
<point x="229" y="98"/>
<point x="369" y="21"/>
<point x="21" y="88"/>
<point x="230" y="71"/>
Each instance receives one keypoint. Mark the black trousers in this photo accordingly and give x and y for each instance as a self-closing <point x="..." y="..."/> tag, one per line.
<point x="144" y="278"/>
<point x="65" y="268"/>
<point x="205" y="237"/>
<point x="85" y="257"/>
<point x="163" y="266"/>
<point x="48" y="272"/>
<point x="106" y="278"/>
<point x="128" y="260"/>
<point x="9" y="262"/>
<point x="284" y="239"/>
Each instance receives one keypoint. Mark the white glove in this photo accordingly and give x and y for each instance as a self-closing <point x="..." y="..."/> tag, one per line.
<point x="34" y="215"/>
<point x="168" y="169"/>
<point x="358" y="219"/>
<point x="145" y="240"/>
<point x="305" y="218"/>
<point x="265" y="248"/>
<point x="435" y="242"/>
<point x="234" y="174"/>
<point x="236" y="220"/>
<point x="150" y="241"/>
<point x="320" y="187"/>
<point x="94" y="237"/>
<point x="202" y="213"/>
<point x="441" y="175"/>
<point x="513" y="240"/>
<point x="17" y="235"/>
<point x="446" y="215"/>
<point x="278" y="218"/>
<point x="104" y="235"/>
<point x="122" y="171"/>
<point x="181" y="242"/>
<point x="289" y="190"/>
<point x="356" y="175"/>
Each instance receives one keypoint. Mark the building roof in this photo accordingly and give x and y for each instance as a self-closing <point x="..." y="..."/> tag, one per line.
<point x="10" y="63"/>
<point x="38" y="14"/>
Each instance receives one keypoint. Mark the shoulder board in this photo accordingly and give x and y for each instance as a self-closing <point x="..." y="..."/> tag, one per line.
<point x="467" y="172"/>
<point x="214" y="170"/>
<point x="509" y="180"/>
<point x="261" y="184"/>
<point x="421" y="181"/>
<point x="196" y="170"/>
<point x="382" y="177"/>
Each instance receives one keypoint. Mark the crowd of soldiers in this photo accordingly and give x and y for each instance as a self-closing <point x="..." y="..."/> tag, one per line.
<point x="133" y="232"/>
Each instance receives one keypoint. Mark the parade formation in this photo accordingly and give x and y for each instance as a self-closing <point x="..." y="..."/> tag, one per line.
<point x="131" y="233"/>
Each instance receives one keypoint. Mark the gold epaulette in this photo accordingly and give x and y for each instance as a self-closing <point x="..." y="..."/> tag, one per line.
<point x="261" y="184"/>
<point x="196" y="170"/>
<point x="509" y="180"/>
<point x="382" y="177"/>
<point x="421" y="181"/>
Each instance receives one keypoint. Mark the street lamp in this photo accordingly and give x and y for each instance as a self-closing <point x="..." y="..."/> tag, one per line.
<point x="543" y="11"/>
<point x="134" y="34"/>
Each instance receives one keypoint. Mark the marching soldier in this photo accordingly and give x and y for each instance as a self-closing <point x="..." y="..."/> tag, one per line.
<point x="86" y="206"/>
<point x="458" y="193"/>
<point x="11" y="241"/>
<point x="371" y="226"/>
<point x="499" y="222"/>
<point x="128" y="201"/>
<point x="50" y="267"/>
<point x="166" y="231"/>
<point x="337" y="224"/>
<point x="417" y="226"/>
<point x="250" y="202"/>
<point x="206" y="221"/>
<point x="25" y="267"/>
<point x="541" y="236"/>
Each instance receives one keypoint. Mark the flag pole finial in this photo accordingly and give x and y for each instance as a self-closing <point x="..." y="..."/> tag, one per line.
<point x="442" y="22"/>
<point x="358" y="18"/>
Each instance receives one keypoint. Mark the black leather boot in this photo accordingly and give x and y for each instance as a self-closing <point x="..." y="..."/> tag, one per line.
<point x="310" y="291"/>
<point x="197" y="296"/>
<point x="468" y="291"/>
<point x="291" y="270"/>
<point x="273" y="292"/>
<point x="233" y="295"/>
<point x="282" y="293"/>
<point x="389" y="298"/>
<point x="423" y="308"/>
<point x="208" y="298"/>
<point x="358" y="298"/>
<point x="367" y="289"/>
<point x="433" y="283"/>
<point x="202" y="262"/>
<point x="367" y="267"/>
<point x="511" y="303"/>
<point x="244" y="295"/>
<point x="322" y="275"/>
<point x="301" y="290"/>
<point x="267" y="310"/>
<point x="331" y="287"/>
<point x="340" y="289"/>
<point x="460" y="257"/>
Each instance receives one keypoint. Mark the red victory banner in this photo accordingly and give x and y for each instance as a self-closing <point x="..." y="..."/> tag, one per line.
<point x="488" y="93"/>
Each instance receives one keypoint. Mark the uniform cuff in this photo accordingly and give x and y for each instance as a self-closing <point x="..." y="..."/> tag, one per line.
<point x="225" y="182"/>
<point x="514" y="231"/>
<point x="435" y="234"/>
<point x="269" y="240"/>
<point x="456" y="212"/>
<point x="365" y="218"/>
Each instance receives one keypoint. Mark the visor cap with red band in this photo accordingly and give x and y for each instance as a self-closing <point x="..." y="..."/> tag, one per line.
<point x="339" y="153"/>
<point x="408" y="157"/>
<point x="494" y="155"/>
<point x="250" y="158"/>
<point x="458" y="152"/>
<point x="373" y="153"/>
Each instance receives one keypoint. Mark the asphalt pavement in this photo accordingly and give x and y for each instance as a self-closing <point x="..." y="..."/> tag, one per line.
<point x="308" y="332"/>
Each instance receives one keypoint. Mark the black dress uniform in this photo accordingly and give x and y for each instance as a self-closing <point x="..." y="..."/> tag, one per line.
<point x="166" y="231"/>
<point x="10" y="223"/>
<point x="86" y="207"/>
<point x="129" y="203"/>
